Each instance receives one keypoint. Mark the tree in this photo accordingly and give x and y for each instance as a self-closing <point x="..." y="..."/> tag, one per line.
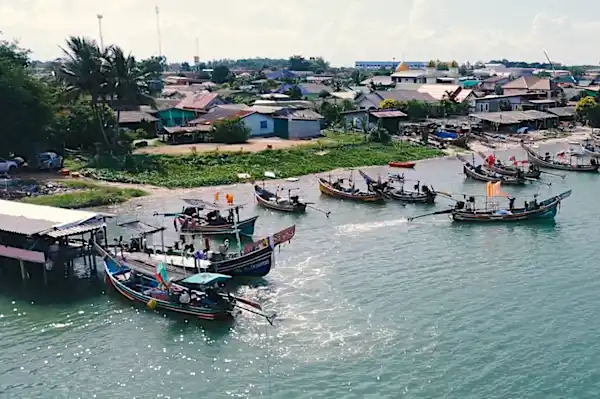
<point x="294" y="92"/>
<point x="299" y="63"/>
<point x="324" y="94"/>
<point x="504" y="106"/>
<point x="357" y="77"/>
<point x="454" y="64"/>
<point x="185" y="67"/>
<point x="390" y="104"/>
<point x="463" y="71"/>
<point x="153" y="67"/>
<point x="416" y="110"/>
<point x="380" y="134"/>
<point x="498" y="90"/>
<point x="431" y="64"/>
<point x="84" y="71"/>
<point x="584" y="106"/>
<point x="319" y="64"/>
<point x="220" y="74"/>
<point x="442" y="66"/>
<point x="26" y="103"/>
<point x="231" y="131"/>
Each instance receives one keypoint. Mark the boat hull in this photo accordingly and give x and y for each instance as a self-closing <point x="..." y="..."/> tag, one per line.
<point x="326" y="188"/>
<point x="245" y="227"/>
<point x="509" y="171"/>
<point x="537" y="160"/>
<point x="547" y="210"/>
<point x="407" y="165"/>
<point x="112" y="267"/>
<point x="412" y="197"/>
<point x="471" y="173"/>
<point x="277" y="206"/>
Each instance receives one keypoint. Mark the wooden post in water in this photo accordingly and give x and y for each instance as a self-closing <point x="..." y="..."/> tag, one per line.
<point x="23" y="271"/>
<point x="45" y="275"/>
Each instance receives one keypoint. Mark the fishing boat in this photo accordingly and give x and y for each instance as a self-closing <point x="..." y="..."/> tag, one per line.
<point x="546" y="161"/>
<point x="466" y="211"/>
<point x="455" y="139"/>
<point x="202" y="296"/>
<point x="270" y="200"/>
<point x="480" y="173"/>
<point x="421" y="195"/>
<point x="207" y="218"/>
<point x="496" y="166"/>
<point x="337" y="190"/>
<point x="589" y="148"/>
<point x="407" y="165"/>
<point x="252" y="260"/>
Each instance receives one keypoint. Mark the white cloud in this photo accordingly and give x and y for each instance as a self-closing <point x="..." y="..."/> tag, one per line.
<point x="340" y="31"/>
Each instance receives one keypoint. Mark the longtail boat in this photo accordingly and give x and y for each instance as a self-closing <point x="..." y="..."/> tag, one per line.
<point x="207" y="218"/>
<point x="589" y="148"/>
<point x="201" y="296"/>
<point x="479" y="173"/>
<point x="466" y="211"/>
<point x="337" y="190"/>
<point x="547" y="162"/>
<point x="407" y="165"/>
<point x="270" y="200"/>
<point x="422" y="195"/>
<point x="496" y="166"/>
<point x="252" y="260"/>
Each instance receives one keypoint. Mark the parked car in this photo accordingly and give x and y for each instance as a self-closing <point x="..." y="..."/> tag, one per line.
<point x="7" y="166"/>
<point x="49" y="161"/>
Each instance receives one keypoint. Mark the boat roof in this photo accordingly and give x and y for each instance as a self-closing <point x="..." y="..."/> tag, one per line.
<point x="206" y="279"/>
<point x="141" y="227"/>
<point x="210" y="205"/>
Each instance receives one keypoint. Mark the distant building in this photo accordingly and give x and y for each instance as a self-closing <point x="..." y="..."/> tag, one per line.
<point x="388" y="64"/>
<point x="428" y="75"/>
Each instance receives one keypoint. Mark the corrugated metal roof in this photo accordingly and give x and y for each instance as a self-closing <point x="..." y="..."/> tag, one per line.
<point x="512" y="117"/>
<point x="84" y="228"/>
<point x="563" y="111"/>
<point x="198" y="101"/>
<point x="388" y="114"/>
<point x="29" y="219"/>
<point x="135" y="117"/>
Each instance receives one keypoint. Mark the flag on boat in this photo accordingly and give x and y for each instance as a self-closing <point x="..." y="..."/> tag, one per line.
<point x="491" y="159"/>
<point x="161" y="274"/>
<point x="493" y="190"/>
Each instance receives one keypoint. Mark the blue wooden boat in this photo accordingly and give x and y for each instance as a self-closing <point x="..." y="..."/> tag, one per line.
<point x="545" y="210"/>
<point x="202" y="296"/>
<point x="207" y="218"/>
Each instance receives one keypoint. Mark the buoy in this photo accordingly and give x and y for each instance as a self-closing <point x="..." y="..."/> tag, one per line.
<point x="152" y="304"/>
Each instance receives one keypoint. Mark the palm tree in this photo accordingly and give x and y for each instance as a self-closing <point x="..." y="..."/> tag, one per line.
<point x="84" y="71"/>
<point x="127" y="83"/>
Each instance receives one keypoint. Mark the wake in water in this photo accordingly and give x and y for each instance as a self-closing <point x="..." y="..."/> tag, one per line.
<point x="356" y="229"/>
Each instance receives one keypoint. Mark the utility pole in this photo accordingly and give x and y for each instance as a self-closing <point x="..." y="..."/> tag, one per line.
<point x="158" y="31"/>
<point x="99" y="16"/>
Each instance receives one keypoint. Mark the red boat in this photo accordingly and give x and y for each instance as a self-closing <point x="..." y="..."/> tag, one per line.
<point x="402" y="164"/>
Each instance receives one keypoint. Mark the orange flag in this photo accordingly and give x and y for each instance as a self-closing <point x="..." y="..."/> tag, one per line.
<point x="217" y="196"/>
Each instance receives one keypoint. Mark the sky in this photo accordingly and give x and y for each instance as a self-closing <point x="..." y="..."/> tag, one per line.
<point x="340" y="31"/>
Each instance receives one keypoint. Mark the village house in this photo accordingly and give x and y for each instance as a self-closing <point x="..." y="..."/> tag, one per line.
<point x="200" y="102"/>
<point x="374" y="99"/>
<point x="260" y="125"/>
<point x="137" y="119"/>
<point x="515" y="121"/>
<point x="363" y="120"/>
<point x="488" y="85"/>
<point x="532" y="84"/>
<point x="310" y="91"/>
<point x="498" y="102"/>
<point x="437" y="91"/>
<point x="294" y="124"/>
<point x="429" y="75"/>
<point x="379" y="80"/>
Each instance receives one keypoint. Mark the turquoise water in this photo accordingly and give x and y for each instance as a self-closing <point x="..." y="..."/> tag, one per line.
<point x="369" y="306"/>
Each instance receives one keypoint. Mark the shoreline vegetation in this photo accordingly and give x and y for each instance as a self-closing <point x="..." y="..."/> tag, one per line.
<point x="83" y="194"/>
<point x="334" y="151"/>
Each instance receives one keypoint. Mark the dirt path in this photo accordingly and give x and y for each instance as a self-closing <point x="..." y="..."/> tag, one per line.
<point x="253" y="145"/>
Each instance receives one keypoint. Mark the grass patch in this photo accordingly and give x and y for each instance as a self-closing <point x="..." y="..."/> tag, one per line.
<point x="209" y="169"/>
<point x="88" y="195"/>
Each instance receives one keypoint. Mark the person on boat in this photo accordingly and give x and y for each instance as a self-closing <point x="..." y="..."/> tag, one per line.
<point x="534" y="204"/>
<point x="230" y="217"/>
<point x="547" y="157"/>
<point x="593" y="162"/>
<point x="223" y="248"/>
<point x="511" y="203"/>
<point x="478" y="169"/>
<point x="184" y="298"/>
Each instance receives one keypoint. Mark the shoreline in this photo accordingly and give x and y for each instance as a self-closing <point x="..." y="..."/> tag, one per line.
<point x="152" y="191"/>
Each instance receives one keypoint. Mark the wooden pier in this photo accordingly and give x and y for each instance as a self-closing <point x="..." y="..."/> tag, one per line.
<point x="47" y="241"/>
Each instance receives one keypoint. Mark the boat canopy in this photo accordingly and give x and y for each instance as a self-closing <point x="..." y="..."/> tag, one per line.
<point x="206" y="279"/>
<point x="141" y="227"/>
<point x="198" y="203"/>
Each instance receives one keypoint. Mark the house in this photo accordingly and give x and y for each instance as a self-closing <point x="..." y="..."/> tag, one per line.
<point x="541" y="105"/>
<point x="531" y="84"/>
<point x="468" y="97"/>
<point x="373" y="100"/>
<point x="138" y="120"/>
<point x="514" y="120"/>
<point x="489" y="85"/>
<point x="260" y="124"/>
<point x="564" y="114"/>
<point x="496" y="102"/>
<point x="428" y="75"/>
<point x="200" y="102"/>
<point x="296" y="124"/>
<point x="172" y="117"/>
<point x="437" y="91"/>
<point x="388" y="118"/>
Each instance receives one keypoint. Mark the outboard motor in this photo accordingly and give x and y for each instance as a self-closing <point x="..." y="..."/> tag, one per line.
<point x="425" y="189"/>
<point x="460" y="205"/>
